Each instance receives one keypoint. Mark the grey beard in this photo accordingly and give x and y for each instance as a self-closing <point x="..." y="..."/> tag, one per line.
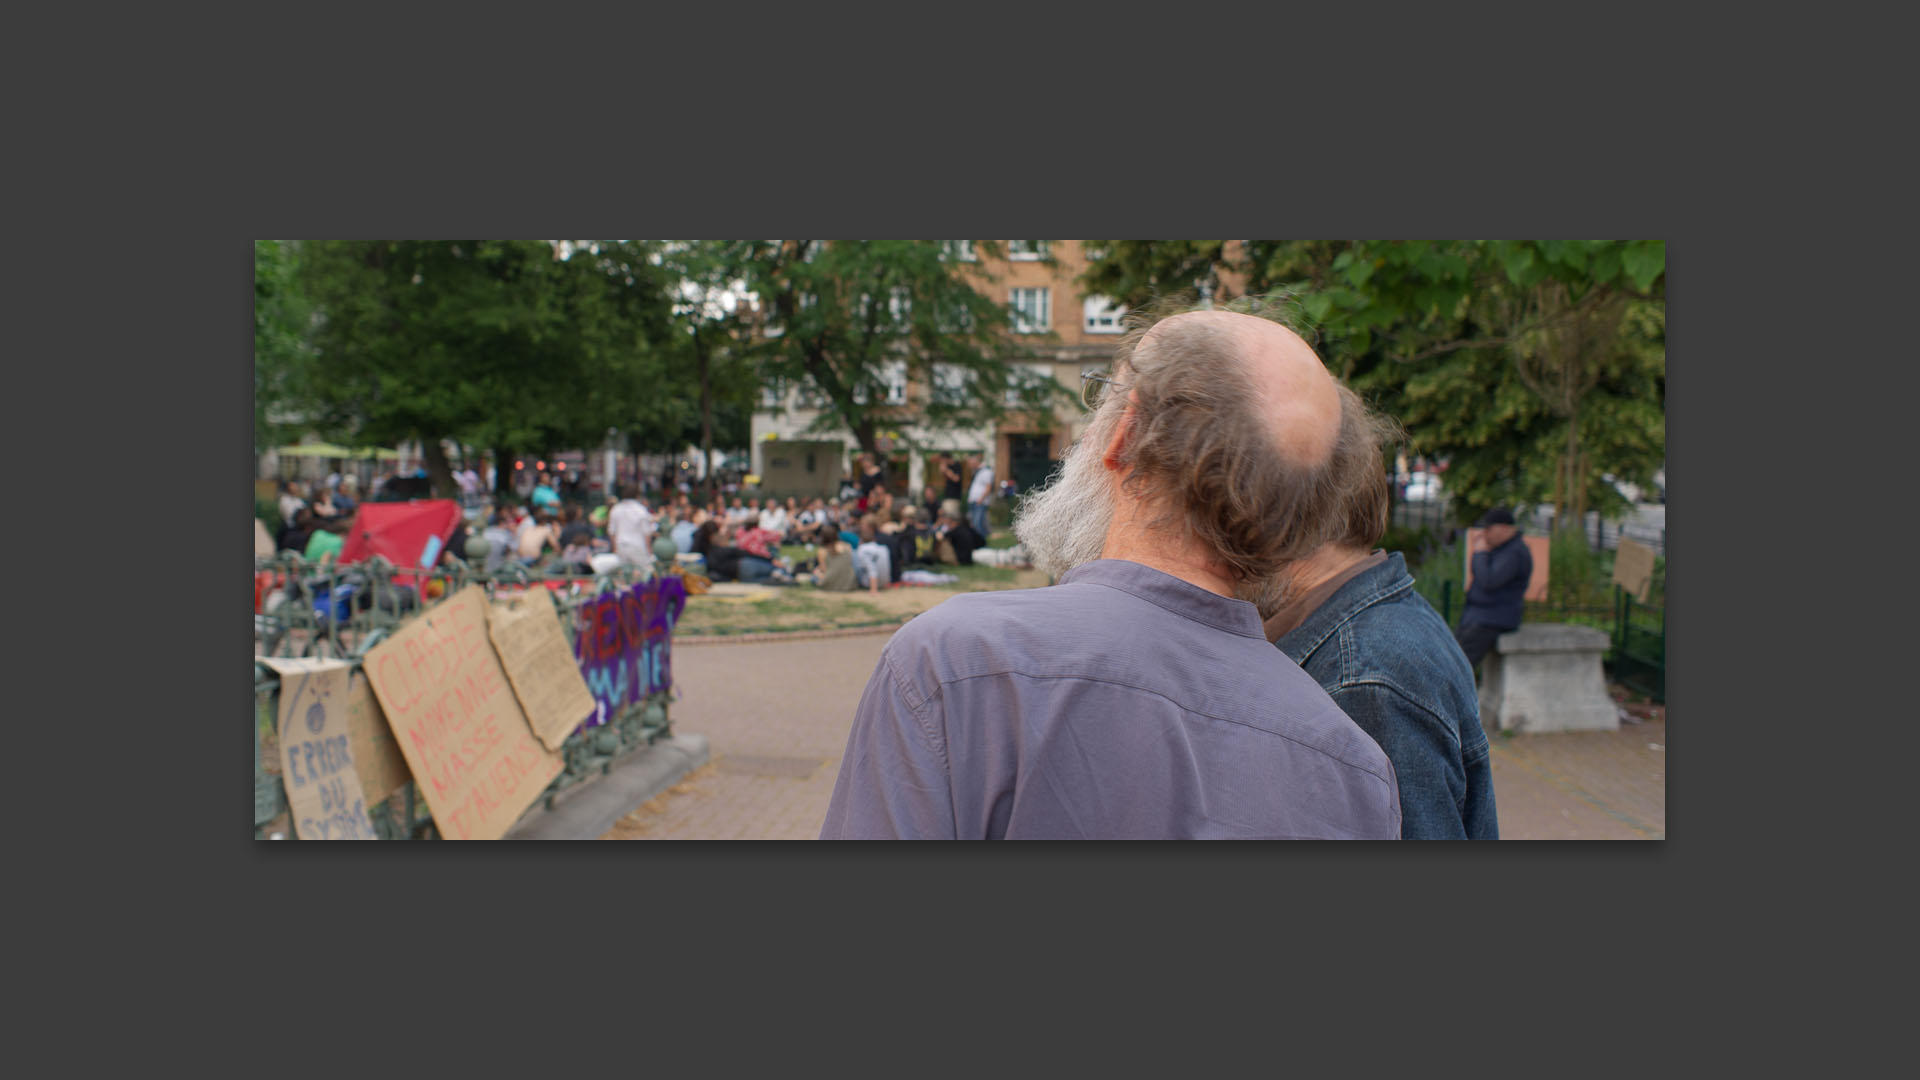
<point x="1065" y="525"/>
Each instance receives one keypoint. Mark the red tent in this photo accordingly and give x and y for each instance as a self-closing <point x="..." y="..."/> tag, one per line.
<point x="410" y="535"/>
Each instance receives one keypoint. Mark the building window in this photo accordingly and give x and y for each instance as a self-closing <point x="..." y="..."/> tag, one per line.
<point x="1032" y="310"/>
<point x="1026" y="250"/>
<point x="958" y="250"/>
<point x="773" y="393"/>
<point x="1102" y="316"/>
<point x="807" y="396"/>
<point x="895" y="376"/>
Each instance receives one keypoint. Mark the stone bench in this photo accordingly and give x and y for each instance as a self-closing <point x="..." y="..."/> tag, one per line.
<point x="1547" y="677"/>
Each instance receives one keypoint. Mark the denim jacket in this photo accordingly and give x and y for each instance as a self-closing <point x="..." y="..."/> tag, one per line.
<point x="1388" y="660"/>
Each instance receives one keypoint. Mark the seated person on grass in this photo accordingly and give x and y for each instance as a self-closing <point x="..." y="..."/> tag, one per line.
<point x="959" y="537"/>
<point x="726" y="560"/>
<point x="578" y="543"/>
<point x="872" y="565"/>
<point x="325" y="542"/>
<point x="537" y="538"/>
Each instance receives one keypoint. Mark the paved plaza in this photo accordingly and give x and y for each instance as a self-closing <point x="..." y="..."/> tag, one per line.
<point x="776" y="715"/>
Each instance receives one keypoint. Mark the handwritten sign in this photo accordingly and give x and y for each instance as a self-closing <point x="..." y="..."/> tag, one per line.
<point x="1633" y="568"/>
<point x="457" y="721"/>
<point x="625" y="644"/>
<point x="324" y="795"/>
<point x="376" y="756"/>
<point x="532" y="644"/>
<point x="1537" y="546"/>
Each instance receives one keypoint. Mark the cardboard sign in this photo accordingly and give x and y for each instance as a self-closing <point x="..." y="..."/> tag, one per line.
<point x="533" y="648"/>
<point x="457" y="720"/>
<point x="324" y="797"/>
<point x="1633" y="568"/>
<point x="625" y="644"/>
<point x="376" y="756"/>
<point x="1539" y="547"/>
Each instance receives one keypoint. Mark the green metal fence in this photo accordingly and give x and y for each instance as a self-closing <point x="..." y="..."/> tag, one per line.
<point x="297" y="627"/>
<point x="1639" y="655"/>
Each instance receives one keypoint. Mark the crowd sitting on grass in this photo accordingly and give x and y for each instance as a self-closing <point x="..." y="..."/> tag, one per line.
<point x="868" y="540"/>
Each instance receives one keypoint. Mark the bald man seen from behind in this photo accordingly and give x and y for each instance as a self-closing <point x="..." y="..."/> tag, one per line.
<point x="1139" y="698"/>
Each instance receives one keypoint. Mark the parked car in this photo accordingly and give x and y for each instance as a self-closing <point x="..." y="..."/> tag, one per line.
<point x="1422" y="487"/>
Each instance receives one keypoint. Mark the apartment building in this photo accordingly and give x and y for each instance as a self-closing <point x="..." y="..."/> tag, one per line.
<point x="1045" y="300"/>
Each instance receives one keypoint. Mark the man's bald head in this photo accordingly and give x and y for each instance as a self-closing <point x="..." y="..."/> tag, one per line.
<point x="1231" y="430"/>
<point x="1287" y="380"/>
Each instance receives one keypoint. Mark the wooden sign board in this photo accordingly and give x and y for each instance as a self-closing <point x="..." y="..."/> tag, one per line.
<point x="458" y="723"/>
<point x="376" y="756"/>
<point x="1633" y="568"/>
<point x="324" y="797"/>
<point x="538" y="659"/>
<point x="1537" y="546"/>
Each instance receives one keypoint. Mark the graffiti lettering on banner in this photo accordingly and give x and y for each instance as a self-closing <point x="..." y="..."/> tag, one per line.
<point x="625" y="644"/>
<point x="324" y="795"/>
<point x="457" y="721"/>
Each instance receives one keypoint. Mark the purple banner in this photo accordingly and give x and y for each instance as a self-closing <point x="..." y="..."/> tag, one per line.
<point x="625" y="644"/>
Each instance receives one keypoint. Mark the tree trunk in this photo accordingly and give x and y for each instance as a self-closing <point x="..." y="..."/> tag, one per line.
<point x="706" y="414"/>
<point x="439" y="470"/>
<point x="502" y="472"/>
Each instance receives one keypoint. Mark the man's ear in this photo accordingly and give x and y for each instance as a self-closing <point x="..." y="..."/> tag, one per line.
<point x="1111" y="456"/>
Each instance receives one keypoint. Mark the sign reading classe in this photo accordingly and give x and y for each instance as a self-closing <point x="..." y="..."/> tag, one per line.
<point x="457" y="721"/>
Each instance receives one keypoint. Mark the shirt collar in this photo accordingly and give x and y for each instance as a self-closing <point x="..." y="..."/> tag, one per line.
<point x="1362" y="591"/>
<point x="1164" y="590"/>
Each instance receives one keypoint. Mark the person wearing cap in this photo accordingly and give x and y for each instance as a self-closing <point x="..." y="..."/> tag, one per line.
<point x="1502" y="566"/>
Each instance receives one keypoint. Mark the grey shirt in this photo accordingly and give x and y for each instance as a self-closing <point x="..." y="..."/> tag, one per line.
<point x="1120" y="703"/>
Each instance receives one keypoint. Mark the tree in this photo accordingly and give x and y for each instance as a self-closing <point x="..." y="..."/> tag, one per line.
<point x="1534" y="368"/>
<point x="709" y="305"/>
<point x="502" y="343"/>
<point x="281" y="316"/>
<point x="850" y="319"/>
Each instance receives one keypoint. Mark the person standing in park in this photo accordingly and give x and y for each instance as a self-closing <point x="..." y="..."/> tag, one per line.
<point x="950" y="486"/>
<point x="291" y="502"/>
<point x="1139" y="698"/>
<point x="979" y="495"/>
<point x="630" y="527"/>
<point x="1352" y="620"/>
<point x="1502" y="567"/>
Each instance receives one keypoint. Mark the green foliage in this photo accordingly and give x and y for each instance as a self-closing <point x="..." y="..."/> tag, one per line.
<point x="1441" y="579"/>
<point x="1509" y="360"/>
<point x="268" y="511"/>
<point x="839" y="313"/>
<point x="281" y="315"/>
<point x="1577" y="575"/>
<point x="503" y="344"/>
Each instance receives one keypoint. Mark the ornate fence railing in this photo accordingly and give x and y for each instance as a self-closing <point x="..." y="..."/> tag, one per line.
<point x="325" y="610"/>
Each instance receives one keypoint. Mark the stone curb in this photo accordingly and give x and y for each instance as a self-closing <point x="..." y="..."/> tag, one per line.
<point x="796" y="635"/>
<point x="587" y="810"/>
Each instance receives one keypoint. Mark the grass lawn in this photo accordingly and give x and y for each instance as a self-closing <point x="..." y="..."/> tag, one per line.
<point x="803" y="607"/>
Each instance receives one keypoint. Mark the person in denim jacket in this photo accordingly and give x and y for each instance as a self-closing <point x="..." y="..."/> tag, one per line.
<point x="1353" y="622"/>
